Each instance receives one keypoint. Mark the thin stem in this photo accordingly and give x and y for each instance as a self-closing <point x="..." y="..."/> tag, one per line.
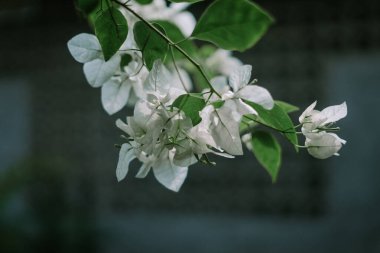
<point x="171" y="43"/>
<point x="176" y="68"/>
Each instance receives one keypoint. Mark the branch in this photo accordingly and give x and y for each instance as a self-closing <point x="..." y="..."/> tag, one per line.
<point x="171" y="43"/>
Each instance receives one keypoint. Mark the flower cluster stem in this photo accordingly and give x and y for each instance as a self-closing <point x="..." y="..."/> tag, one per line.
<point x="171" y="43"/>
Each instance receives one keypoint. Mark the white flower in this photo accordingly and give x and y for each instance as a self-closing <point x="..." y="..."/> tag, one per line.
<point x="316" y="126"/>
<point x="158" y="10"/>
<point x="324" y="146"/>
<point x="222" y="62"/>
<point x="117" y="83"/>
<point x="161" y="86"/>
<point x="314" y="122"/>
<point x="224" y="121"/>
<point x="117" y="91"/>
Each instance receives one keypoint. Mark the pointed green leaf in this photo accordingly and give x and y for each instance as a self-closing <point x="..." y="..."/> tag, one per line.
<point x="111" y="28"/>
<point x="288" y="108"/>
<point x="233" y="25"/>
<point x="191" y="104"/>
<point x="150" y="42"/>
<point x="278" y="119"/>
<point x="268" y="152"/>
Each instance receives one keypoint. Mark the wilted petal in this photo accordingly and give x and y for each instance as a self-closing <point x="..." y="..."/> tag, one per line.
<point x="240" y="77"/>
<point x="98" y="71"/>
<point x="84" y="47"/>
<point x="126" y="155"/>
<point x="115" y="95"/>
<point x="256" y="94"/>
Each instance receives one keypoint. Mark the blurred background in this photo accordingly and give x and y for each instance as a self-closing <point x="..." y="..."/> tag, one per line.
<point x="58" y="191"/>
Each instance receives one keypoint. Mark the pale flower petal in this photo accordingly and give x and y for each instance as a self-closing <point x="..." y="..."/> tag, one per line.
<point x="185" y="22"/>
<point x="256" y="94"/>
<point x="115" y="95"/>
<point x="325" y="146"/>
<point x="334" y="113"/>
<point x="98" y="71"/>
<point x="126" y="155"/>
<point x="226" y="131"/>
<point x="307" y="112"/>
<point x="84" y="47"/>
<point x="168" y="174"/>
<point x="240" y="77"/>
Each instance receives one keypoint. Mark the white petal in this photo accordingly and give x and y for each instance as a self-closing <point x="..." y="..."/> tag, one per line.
<point x="159" y="78"/>
<point x="247" y="140"/>
<point x="144" y="170"/>
<point x="226" y="132"/>
<point x="334" y="113"/>
<point x="84" y="47"/>
<point x="124" y="127"/>
<point x="307" y="112"/>
<point x="185" y="78"/>
<point x="126" y="155"/>
<point x="115" y="95"/>
<point x="256" y="94"/>
<point x="168" y="174"/>
<point x="240" y="77"/>
<point x="98" y="71"/>
<point x="185" y="22"/>
<point x="324" y="147"/>
<point x="220" y="84"/>
<point x="179" y="6"/>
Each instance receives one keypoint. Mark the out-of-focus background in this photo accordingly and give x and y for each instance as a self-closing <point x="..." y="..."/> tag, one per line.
<point x="58" y="191"/>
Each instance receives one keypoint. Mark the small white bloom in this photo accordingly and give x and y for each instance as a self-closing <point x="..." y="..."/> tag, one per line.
<point x="324" y="146"/>
<point x="159" y="10"/>
<point x="222" y="62"/>
<point x="314" y="122"/>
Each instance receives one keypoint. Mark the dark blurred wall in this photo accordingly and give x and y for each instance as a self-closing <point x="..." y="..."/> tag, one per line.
<point x="57" y="160"/>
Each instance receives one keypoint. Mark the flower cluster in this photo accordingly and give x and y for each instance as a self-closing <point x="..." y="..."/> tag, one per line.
<point x="165" y="139"/>
<point x="321" y="142"/>
<point x="171" y="129"/>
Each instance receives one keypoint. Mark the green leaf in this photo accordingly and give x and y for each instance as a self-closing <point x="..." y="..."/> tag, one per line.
<point x="233" y="25"/>
<point x="143" y="2"/>
<point x="152" y="44"/>
<point x="278" y="119"/>
<point x="111" y="28"/>
<point x="185" y="1"/>
<point x="191" y="104"/>
<point x="267" y="151"/>
<point x="176" y="35"/>
<point x="288" y="108"/>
